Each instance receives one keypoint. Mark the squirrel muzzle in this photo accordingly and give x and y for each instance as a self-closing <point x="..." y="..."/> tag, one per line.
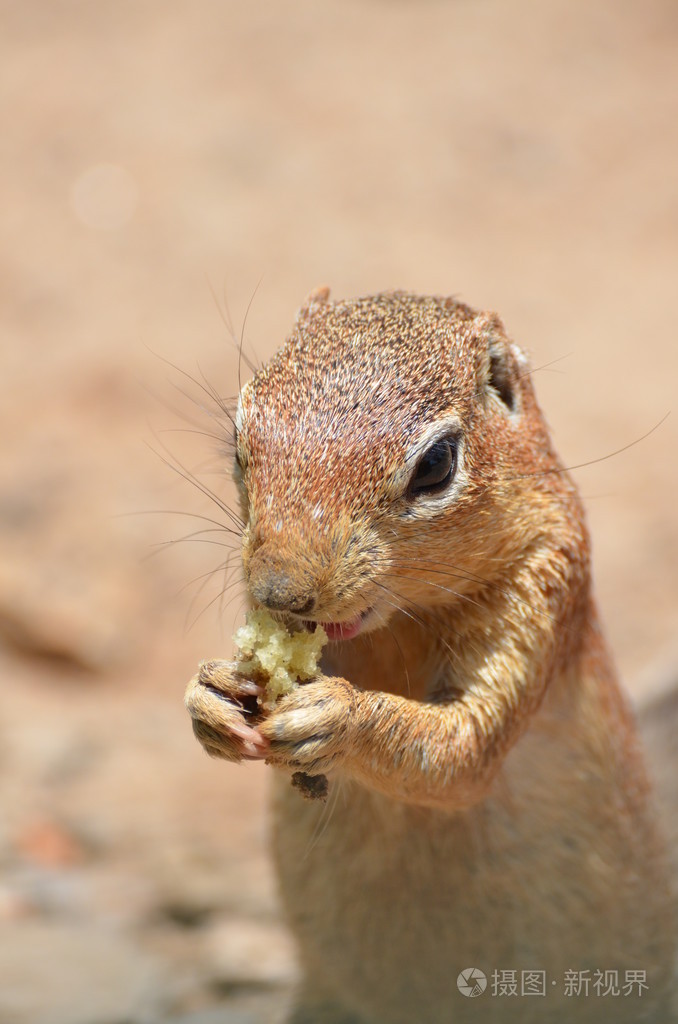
<point x="278" y="583"/>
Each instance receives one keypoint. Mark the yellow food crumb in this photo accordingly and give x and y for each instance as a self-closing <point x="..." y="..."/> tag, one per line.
<point x="269" y="652"/>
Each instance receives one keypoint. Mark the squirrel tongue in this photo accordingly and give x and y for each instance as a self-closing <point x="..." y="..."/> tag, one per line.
<point x="343" y="630"/>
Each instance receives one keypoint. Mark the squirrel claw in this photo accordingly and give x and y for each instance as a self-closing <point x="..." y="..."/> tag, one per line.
<point x="308" y="728"/>
<point x="214" y="701"/>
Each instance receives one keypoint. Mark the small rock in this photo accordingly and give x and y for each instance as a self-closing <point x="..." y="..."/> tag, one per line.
<point x="246" y="953"/>
<point x="252" y="1008"/>
<point x="12" y="904"/>
<point x="59" y="974"/>
<point x="50" y="843"/>
<point x="194" y="884"/>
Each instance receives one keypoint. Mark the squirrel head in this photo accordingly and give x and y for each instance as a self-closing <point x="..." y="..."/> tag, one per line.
<point x="389" y="435"/>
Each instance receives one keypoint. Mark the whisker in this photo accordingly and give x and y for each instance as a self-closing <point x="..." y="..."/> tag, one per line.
<point x="189" y="539"/>
<point x="532" y="370"/>
<point x="216" y="598"/>
<point x="426" y="613"/>
<point x="323" y="819"/>
<point x="186" y="474"/>
<point x="225" y="313"/>
<point x="433" y="566"/>
<point x="453" y="572"/>
<point x="545" y="366"/>
<point x="181" y="413"/>
<point x="205" y="580"/>
<point x="162" y="545"/>
<point x="410" y="613"/>
<point x="400" y="652"/>
<point x="178" y="512"/>
<point x="228" y="582"/>
<point x="437" y="586"/>
<point x="228" y="322"/>
<point x="242" y="331"/>
<point x="203" y="575"/>
<point x="510" y="595"/>
<point x="556" y="470"/>
<point x="224" y="439"/>
<point x="225" y="405"/>
<point x="201" y="533"/>
<point x="221" y="403"/>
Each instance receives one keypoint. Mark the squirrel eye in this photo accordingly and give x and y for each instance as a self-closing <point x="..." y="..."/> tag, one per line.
<point x="436" y="468"/>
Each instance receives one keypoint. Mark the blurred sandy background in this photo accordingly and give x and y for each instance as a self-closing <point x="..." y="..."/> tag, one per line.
<point x="523" y="156"/>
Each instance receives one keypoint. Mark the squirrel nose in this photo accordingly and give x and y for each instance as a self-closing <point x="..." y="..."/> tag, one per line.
<point x="279" y="592"/>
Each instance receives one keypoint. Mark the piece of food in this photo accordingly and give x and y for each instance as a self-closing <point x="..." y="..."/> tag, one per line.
<point x="272" y="655"/>
<point x="279" y="659"/>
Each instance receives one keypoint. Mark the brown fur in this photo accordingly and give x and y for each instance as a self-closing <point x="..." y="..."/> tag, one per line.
<point x="488" y="803"/>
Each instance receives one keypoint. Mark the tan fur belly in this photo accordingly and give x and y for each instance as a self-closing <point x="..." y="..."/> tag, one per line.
<point x="389" y="903"/>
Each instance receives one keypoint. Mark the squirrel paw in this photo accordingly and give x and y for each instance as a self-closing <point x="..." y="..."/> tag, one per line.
<point x="217" y="700"/>
<point x="309" y="727"/>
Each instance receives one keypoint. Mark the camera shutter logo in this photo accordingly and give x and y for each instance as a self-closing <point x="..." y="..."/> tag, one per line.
<point x="471" y="982"/>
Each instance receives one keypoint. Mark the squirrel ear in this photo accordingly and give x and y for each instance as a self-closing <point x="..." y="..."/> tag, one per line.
<point x="315" y="301"/>
<point x="501" y="360"/>
<point x="319" y="296"/>
<point x="500" y="377"/>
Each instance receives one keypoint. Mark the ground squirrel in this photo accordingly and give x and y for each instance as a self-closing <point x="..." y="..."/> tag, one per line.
<point x="488" y="806"/>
